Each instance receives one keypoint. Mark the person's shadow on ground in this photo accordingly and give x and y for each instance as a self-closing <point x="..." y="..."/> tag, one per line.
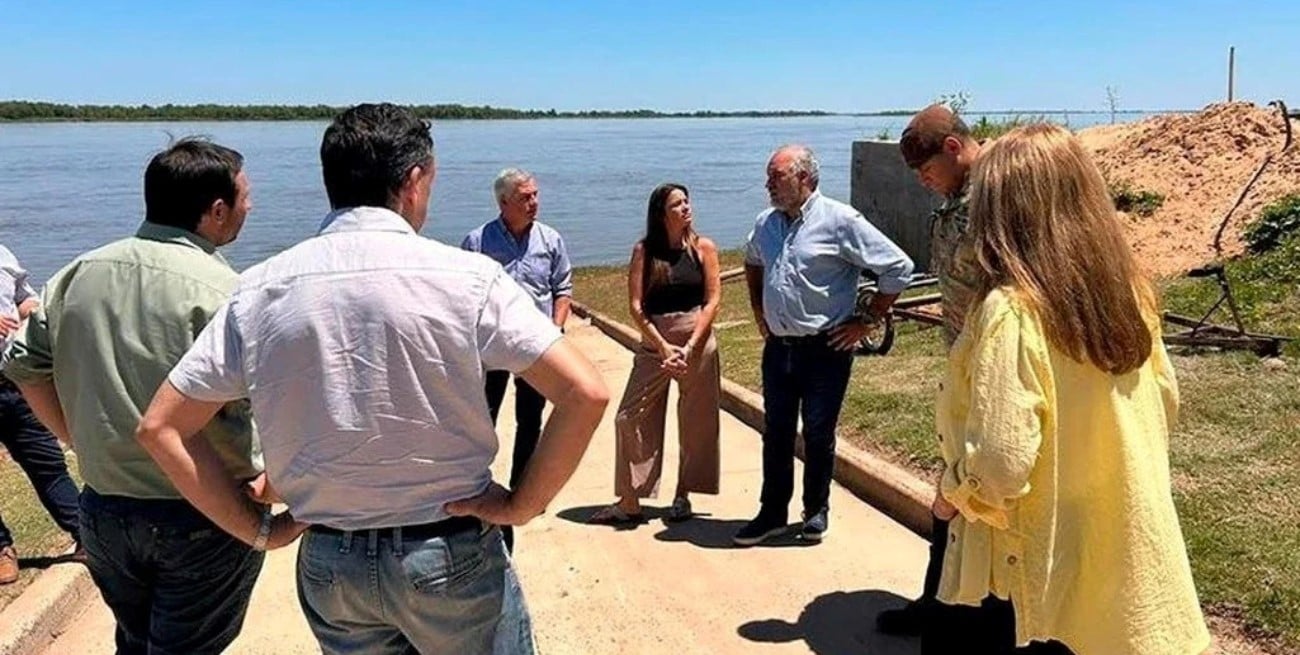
<point x="699" y="530"/>
<point x="837" y="623"/>
<point x="45" y="562"/>
<point x="717" y="533"/>
<point x="582" y="516"/>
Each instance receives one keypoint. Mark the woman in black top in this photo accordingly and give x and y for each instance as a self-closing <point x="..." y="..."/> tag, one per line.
<point x="673" y="291"/>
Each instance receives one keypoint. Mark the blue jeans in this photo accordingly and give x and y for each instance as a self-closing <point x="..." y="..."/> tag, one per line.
<point x="176" y="583"/>
<point x="41" y="458"/>
<point x="376" y="592"/>
<point x="802" y="377"/>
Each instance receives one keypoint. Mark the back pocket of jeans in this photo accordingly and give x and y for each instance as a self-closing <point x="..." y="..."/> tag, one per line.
<point x="315" y="566"/>
<point x="438" y="566"/>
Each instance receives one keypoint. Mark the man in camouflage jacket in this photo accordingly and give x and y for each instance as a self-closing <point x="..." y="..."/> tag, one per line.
<point x="938" y="145"/>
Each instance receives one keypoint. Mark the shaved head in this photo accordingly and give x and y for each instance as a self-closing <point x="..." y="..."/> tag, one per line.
<point x="924" y="136"/>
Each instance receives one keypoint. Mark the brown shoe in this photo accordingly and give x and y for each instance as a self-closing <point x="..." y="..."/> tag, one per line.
<point x="8" y="565"/>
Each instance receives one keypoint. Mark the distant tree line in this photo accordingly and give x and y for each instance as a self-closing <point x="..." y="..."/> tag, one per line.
<point x="20" y="110"/>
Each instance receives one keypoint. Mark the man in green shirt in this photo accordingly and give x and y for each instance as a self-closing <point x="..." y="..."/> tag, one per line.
<point x="110" y="327"/>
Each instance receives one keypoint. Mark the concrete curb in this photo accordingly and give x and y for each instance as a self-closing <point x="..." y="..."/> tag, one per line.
<point x="39" y="614"/>
<point x="893" y="490"/>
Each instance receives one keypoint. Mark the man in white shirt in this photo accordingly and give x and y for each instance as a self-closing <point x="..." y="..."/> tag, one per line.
<point x="363" y="351"/>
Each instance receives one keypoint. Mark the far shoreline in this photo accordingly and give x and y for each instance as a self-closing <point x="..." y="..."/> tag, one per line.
<point x="21" y="111"/>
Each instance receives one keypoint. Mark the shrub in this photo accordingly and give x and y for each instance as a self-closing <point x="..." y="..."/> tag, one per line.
<point x="1142" y="202"/>
<point x="984" y="128"/>
<point x="1279" y="266"/>
<point x="1276" y="222"/>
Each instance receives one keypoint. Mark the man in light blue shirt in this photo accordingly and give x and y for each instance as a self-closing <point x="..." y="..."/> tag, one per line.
<point x="17" y="298"/>
<point x="803" y="261"/>
<point x="533" y="254"/>
<point x="29" y="443"/>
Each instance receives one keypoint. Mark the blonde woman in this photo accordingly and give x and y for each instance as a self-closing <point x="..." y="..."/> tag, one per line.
<point x="674" y="290"/>
<point x="1055" y="417"/>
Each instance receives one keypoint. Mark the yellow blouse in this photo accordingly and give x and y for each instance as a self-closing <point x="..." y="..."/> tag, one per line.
<point x="1061" y="474"/>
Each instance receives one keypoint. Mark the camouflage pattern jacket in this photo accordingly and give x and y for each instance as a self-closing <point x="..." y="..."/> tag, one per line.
<point x="952" y="260"/>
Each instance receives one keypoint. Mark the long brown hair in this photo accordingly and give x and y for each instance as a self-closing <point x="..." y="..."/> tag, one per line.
<point x="655" y="242"/>
<point x="1044" y="223"/>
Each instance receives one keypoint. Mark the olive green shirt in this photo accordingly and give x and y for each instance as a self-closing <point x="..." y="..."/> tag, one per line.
<point x="110" y="327"/>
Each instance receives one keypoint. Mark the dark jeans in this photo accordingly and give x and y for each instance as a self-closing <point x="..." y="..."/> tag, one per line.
<point x="802" y="378"/>
<point x="41" y="458"/>
<point x="989" y="628"/>
<point x="528" y="425"/>
<point x="176" y="583"/>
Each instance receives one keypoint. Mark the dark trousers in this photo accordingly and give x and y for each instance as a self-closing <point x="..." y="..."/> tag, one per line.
<point x="41" y="458"/>
<point x="934" y="568"/>
<point x="176" y="583"/>
<point x="528" y="425"/>
<point x="989" y="629"/>
<point x="802" y="378"/>
<point x="951" y="629"/>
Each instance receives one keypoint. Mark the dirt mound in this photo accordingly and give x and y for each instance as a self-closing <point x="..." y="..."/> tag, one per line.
<point x="1199" y="163"/>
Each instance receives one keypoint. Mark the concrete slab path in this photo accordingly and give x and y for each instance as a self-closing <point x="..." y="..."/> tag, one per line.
<point x="677" y="589"/>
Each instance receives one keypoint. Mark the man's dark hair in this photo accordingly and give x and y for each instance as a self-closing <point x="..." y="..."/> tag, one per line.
<point x="924" y="136"/>
<point x="369" y="150"/>
<point x="183" y="181"/>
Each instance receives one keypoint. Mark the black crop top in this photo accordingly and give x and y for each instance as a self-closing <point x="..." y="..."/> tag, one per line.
<point x="682" y="291"/>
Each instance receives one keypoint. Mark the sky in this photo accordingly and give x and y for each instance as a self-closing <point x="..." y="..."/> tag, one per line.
<point x="668" y="55"/>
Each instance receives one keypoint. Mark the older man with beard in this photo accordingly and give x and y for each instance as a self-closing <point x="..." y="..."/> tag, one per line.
<point x="803" y="261"/>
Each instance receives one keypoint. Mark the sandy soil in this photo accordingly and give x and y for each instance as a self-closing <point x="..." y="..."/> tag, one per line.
<point x="1200" y="163"/>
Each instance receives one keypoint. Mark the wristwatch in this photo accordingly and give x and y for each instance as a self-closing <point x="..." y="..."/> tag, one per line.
<point x="263" y="531"/>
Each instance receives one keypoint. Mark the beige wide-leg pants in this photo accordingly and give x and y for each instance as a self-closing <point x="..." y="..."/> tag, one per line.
<point x="639" y="424"/>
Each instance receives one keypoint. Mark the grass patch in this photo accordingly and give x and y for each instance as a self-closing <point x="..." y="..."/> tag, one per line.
<point x="1267" y="289"/>
<point x="1236" y="463"/>
<point x="1142" y="202"/>
<point x="34" y="532"/>
<point x="1235" y="453"/>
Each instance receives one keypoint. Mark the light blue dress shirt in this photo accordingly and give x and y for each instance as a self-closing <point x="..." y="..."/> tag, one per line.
<point x="812" y="264"/>
<point x="538" y="262"/>
<point x="14" y="291"/>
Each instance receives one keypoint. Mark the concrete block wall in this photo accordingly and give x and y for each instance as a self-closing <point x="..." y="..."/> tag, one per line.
<point x="888" y="193"/>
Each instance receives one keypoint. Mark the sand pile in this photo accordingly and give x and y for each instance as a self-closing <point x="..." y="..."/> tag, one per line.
<point x="1199" y="162"/>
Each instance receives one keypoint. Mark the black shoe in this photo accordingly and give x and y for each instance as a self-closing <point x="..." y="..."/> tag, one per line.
<point x="763" y="527"/>
<point x="815" y="526"/>
<point x="905" y="621"/>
